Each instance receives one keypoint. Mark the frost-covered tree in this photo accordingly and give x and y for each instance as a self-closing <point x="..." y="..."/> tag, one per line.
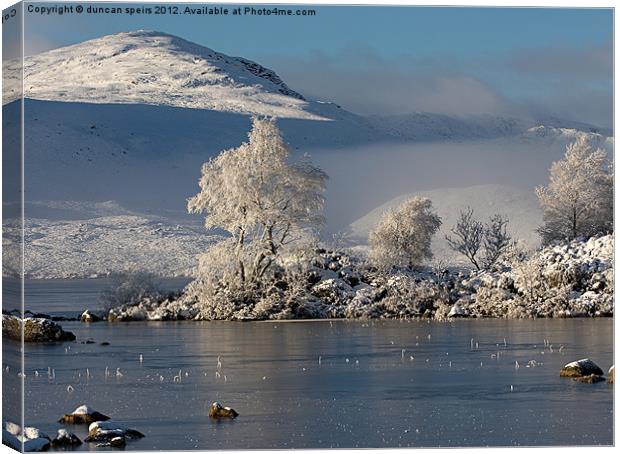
<point x="578" y="201"/>
<point x="467" y="236"/>
<point x="403" y="236"/>
<point x="263" y="200"/>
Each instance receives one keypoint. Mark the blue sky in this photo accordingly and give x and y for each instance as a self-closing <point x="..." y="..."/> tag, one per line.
<point x="399" y="59"/>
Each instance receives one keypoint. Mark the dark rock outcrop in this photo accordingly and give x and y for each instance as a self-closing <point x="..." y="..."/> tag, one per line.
<point x="34" y="329"/>
<point x="217" y="411"/>
<point x="106" y="431"/>
<point x="83" y="415"/>
<point x="65" y="439"/>
<point x="90" y="317"/>
<point x="581" y="368"/>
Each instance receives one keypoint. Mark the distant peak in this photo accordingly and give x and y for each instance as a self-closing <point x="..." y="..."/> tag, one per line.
<point x="157" y="68"/>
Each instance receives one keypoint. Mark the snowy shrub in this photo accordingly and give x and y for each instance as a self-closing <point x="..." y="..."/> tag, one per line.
<point x="403" y="236"/>
<point x="131" y="288"/>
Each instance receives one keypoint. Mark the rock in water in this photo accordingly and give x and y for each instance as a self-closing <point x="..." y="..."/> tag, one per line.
<point x="610" y="375"/>
<point x="106" y="431"/>
<point x="88" y="317"/>
<point x="83" y="415"/>
<point x="217" y="411"/>
<point x="116" y="442"/>
<point x="64" y="438"/>
<point x="581" y="368"/>
<point x="33" y="439"/>
<point x="34" y="329"/>
<point x="592" y="378"/>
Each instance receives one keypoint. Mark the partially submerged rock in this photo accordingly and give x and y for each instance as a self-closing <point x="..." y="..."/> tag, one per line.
<point x="581" y="368"/>
<point x="64" y="438"/>
<point x="31" y="437"/>
<point x="34" y="329"/>
<point x="116" y="442"/>
<point x="83" y="415"/>
<point x="592" y="378"/>
<point x="610" y="375"/>
<point x="106" y="431"/>
<point x="89" y="317"/>
<point x="218" y="411"/>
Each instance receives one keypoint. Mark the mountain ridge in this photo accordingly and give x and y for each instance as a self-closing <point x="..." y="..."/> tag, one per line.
<point x="157" y="68"/>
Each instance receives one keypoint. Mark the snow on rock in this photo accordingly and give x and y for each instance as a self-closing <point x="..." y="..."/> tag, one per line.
<point x="32" y="438"/>
<point x="108" y="430"/>
<point x="581" y="368"/>
<point x="83" y="415"/>
<point x="34" y="329"/>
<point x="218" y="411"/>
<point x="115" y="442"/>
<point x="108" y="245"/>
<point x="65" y="439"/>
<point x="89" y="317"/>
<point x="120" y="68"/>
<point x="155" y="309"/>
<point x="568" y="280"/>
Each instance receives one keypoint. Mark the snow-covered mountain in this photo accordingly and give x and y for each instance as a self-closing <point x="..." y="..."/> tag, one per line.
<point x="129" y="118"/>
<point x="518" y="204"/>
<point x="155" y="68"/>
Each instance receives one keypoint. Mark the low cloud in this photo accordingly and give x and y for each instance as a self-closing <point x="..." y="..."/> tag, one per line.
<point x="574" y="84"/>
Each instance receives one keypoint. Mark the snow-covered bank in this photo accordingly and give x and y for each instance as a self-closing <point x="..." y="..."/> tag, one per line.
<point x="107" y="245"/>
<point x="569" y="280"/>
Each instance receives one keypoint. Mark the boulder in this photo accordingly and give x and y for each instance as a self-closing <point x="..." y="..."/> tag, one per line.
<point x="106" y="431"/>
<point x="217" y="411"/>
<point x="89" y="317"/>
<point x="34" y="329"/>
<point x="581" y="368"/>
<point x="83" y="415"/>
<point x="457" y="311"/>
<point x="65" y="439"/>
<point x="32" y="438"/>
<point x="610" y="375"/>
<point x="592" y="378"/>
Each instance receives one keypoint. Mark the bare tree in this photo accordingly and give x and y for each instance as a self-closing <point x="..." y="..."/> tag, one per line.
<point x="496" y="240"/>
<point x="467" y="236"/>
